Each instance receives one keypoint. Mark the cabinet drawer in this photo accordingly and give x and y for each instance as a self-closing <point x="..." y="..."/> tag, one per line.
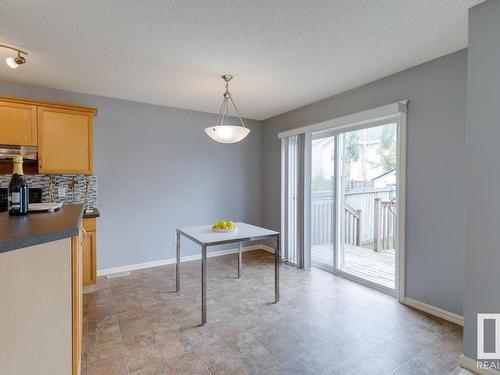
<point x="89" y="224"/>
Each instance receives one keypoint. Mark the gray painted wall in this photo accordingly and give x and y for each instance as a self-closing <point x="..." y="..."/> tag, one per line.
<point x="435" y="169"/>
<point x="158" y="170"/>
<point x="482" y="257"/>
<point x="144" y="150"/>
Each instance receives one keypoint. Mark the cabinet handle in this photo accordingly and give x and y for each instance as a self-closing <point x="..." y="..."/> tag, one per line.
<point x="40" y="162"/>
<point x="84" y="237"/>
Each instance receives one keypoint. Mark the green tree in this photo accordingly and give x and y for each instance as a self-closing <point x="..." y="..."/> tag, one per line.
<point x="387" y="148"/>
<point x="351" y="152"/>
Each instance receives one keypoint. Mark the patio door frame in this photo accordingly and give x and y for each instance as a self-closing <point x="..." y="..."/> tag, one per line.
<point x="396" y="113"/>
<point x="339" y="190"/>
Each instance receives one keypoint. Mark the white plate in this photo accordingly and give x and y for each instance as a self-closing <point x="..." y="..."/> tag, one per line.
<point x="44" y="206"/>
<point x="224" y="230"/>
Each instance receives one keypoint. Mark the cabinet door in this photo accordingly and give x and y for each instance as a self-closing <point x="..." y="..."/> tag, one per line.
<point x="18" y="124"/>
<point x="64" y="141"/>
<point x="89" y="259"/>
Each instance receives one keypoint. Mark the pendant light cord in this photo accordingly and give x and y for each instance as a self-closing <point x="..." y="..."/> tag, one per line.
<point x="238" y="112"/>
<point x="224" y="108"/>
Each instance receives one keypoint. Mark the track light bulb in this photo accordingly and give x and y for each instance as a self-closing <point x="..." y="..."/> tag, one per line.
<point x="14" y="62"/>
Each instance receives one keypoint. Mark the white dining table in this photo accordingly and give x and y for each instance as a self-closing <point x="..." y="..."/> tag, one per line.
<point x="204" y="236"/>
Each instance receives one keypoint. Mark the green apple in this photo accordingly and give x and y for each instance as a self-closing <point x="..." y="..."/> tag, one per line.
<point x="224" y="224"/>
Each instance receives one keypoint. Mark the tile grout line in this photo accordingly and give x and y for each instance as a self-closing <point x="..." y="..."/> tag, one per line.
<point x="196" y="350"/>
<point x="120" y="328"/>
<point x="236" y="353"/>
<point x="158" y="348"/>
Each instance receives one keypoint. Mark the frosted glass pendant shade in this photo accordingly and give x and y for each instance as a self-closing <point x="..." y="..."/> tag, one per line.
<point x="221" y="132"/>
<point x="227" y="133"/>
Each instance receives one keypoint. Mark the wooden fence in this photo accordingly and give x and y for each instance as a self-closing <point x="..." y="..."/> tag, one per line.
<point x="364" y="217"/>
<point x="321" y="219"/>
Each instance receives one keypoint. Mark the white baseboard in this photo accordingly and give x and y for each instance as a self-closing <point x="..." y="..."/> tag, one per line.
<point x="436" y="311"/>
<point x="471" y="365"/>
<point x="162" y="262"/>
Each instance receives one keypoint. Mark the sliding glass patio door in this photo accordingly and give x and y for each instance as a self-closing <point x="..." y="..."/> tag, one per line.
<point x="367" y="204"/>
<point x="323" y="218"/>
<point x="342" y="195"/>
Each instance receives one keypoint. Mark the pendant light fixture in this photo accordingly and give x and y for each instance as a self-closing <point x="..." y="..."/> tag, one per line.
<point x="14" y="62"/>
<point x="222" y="132"/>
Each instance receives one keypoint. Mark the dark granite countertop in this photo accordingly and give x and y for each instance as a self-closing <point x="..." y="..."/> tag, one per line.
<point x="90" y="215"/>
<point x="17" y="232"/>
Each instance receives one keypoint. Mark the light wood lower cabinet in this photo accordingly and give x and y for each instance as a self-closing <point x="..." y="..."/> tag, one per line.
<point x="89" y="274"/>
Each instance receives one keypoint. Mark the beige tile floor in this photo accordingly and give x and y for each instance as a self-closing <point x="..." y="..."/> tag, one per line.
<point x="323" y="325"/>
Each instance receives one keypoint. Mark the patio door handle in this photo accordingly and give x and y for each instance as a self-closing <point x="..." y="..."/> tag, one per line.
<point x="392" y="205"/>
<point x="84" y="236"/>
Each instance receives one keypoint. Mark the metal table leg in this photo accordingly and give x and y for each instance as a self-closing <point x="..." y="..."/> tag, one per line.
<point x="178" y="262"/>
<point x="203" y="285"/>
<point x="277" y="270"/>
<point x="239" y="260"/>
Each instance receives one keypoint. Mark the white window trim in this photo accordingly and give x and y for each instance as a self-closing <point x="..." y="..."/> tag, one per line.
<point x="350" y="121"/>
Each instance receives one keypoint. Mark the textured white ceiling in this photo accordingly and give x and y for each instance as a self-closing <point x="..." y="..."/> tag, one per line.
<point x="283" y="53"/>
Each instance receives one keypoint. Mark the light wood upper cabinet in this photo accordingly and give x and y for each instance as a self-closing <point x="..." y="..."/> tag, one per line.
<point x="64" y="141"/>
<point x="18" y="124"/>
<point x="62" y="132"/>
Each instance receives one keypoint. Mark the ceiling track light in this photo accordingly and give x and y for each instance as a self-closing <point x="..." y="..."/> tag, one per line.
<point x="14" y="62"/>
<point x="221" y="132"/>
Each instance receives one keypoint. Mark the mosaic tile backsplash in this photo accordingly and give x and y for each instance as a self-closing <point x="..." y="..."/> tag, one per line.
<point x="75" y="195"/>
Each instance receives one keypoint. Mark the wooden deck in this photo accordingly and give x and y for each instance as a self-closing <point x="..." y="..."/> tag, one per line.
<point x="378" y="267"/>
